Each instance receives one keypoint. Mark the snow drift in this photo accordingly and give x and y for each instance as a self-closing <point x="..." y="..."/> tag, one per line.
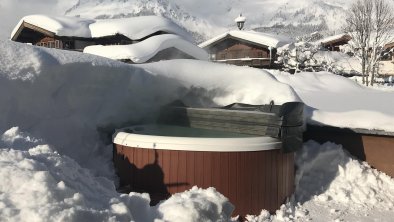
<point x="58" y="110"/>
<point x="74" y="101"/>
<point x="333" y="186"/>
<point x="337" y="101"/>
<point x="39" y="184"/>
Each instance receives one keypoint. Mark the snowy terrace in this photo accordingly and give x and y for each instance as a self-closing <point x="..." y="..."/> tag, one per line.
<point x="58" y="108"/>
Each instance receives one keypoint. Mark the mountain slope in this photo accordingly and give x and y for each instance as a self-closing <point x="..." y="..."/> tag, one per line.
<point x="208" y="18"/>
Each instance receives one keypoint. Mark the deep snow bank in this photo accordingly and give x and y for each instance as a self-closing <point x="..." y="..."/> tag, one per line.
<point x="39" y="184"/>
<point x="333" y="186"/>
<point x="73" y="101"/>
<point x="58" y="110"/>
<point x="66" y="103"/>
<point x="337" y="101"/>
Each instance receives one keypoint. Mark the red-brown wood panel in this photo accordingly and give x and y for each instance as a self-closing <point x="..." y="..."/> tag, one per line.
<point x="166" y="166"/>
<point x="182" y="171"/>
<point x="207" y="169"/>
<point x="190" y="166"/>
<point x="199" y="169"/>
<point x="255" y="185"/>
<point x="233" y="165"/>
<point x="217" y="170"/>
<point x="241" y="182"/>
<point x="281" y="182"/>
<point x="224" y="174"/>
<point x="251" y="180"/>
<point x="274" y="176"/>
<point x="174" y="166"/>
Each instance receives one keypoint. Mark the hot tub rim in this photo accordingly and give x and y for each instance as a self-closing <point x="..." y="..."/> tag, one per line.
<point x="241" y="144"/>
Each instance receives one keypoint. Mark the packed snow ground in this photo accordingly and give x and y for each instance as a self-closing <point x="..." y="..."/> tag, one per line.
<point x="59" y="109"/>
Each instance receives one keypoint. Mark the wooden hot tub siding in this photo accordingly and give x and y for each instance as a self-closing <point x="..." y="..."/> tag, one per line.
<point x="374" y="147"/>
<point x="251" y="180"/>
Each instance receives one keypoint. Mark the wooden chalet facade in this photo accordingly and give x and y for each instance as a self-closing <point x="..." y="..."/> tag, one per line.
<point x="243" y="48"/>
<point x="240" y="52"/>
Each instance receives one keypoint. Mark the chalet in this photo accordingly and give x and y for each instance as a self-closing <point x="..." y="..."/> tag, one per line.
<point x="333" y="43"/>
<point x="245" y="48"/>
<point x="72" y="33"/>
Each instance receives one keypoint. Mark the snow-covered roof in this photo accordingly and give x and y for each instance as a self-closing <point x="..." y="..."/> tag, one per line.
<point x="334" y="38"/>
<point x="143" y="51"/>
<point x="266" y="39"/>
<point x="137" y="27"/>
<point x="59" y="25"/>
<point x="133" y="28"/>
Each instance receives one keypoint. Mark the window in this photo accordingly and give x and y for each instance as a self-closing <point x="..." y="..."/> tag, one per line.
<point x="51" y="44"/>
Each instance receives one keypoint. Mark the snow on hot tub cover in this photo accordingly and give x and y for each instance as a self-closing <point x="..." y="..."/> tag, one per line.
<point x="143" y="51"/>
<point x="134" y="28"/>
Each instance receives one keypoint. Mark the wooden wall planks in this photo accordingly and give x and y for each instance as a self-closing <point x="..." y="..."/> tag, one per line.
<point x="251" y="180"/>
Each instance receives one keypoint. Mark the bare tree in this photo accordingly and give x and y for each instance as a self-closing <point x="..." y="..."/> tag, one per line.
<point x="383" y="24"/>
<point x="370" y="23"/>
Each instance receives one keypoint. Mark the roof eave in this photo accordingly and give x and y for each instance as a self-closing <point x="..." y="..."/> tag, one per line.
<point x="33" y="27"/>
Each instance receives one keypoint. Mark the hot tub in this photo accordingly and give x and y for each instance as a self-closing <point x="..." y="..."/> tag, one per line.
<point x="161" y="160"/>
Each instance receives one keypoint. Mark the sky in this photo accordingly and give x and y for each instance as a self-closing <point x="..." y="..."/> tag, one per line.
<point x="11" y="11"/>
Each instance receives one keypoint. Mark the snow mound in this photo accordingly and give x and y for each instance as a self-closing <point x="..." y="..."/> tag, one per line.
<point x="339" y="62"/>
<point x="333" y="186"/>
<point x="330" y="174"/>
<point x="74" y="101"/>
<point x="143" y="51"/>
<point x="39" y="184"/>
<point x="228" y="83"/>
<point x="337" y="101"/>
<point x="197" y="205"/>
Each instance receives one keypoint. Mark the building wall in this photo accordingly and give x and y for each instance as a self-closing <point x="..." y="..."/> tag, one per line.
<point x="50" y="42"/>
<point x="335" y="46"/>
<point x="241" y="50"/>
<point x="236" y="52"/>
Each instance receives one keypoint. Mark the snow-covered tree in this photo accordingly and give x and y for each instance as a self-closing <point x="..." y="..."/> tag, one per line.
<point x="299" y="57"/>
<point x="369" y="23"/>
